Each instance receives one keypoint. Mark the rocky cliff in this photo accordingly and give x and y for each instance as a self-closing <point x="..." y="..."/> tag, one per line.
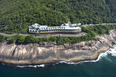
<point x="50" y="53"/>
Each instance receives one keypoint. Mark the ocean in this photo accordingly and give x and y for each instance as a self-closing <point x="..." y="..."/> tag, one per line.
<point x="104" y="66"/>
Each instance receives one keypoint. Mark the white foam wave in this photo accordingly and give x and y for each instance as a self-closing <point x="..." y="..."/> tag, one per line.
<point x="113" y="51"/>
<point x="32" y="66"/>
<point x="3" y="64"/>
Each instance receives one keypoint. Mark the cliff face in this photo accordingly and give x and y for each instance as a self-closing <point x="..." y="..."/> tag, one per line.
<point x="37" y="54"/>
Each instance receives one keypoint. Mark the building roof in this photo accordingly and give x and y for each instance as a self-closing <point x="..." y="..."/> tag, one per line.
<point x="63" y="26"/>
<point x="36" y="25"/>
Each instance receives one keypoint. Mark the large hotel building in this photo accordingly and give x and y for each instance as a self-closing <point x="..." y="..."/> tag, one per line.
<point x="36" y="28"/>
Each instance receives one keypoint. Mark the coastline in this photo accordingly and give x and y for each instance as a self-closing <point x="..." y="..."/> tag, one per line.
<point x="22" y="55"/>
<point x="94" y="57"/>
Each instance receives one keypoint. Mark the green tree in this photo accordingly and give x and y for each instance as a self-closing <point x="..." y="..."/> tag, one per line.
<point x="2" y="38"/>
<point x="52" y="39"/>
<point x="30" y="39"/>
<point x="20" y="40"/>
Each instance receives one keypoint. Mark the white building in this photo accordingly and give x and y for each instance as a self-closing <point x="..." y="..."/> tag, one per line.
<point x="36" y="28"/>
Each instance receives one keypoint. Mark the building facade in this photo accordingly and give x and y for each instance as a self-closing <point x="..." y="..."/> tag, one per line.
<point x="36" y="28"/>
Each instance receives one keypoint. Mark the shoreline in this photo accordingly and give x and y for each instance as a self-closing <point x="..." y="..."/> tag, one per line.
<point x="94" y="57"/>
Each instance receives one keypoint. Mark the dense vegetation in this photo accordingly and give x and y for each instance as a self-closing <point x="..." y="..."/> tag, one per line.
<point x="17" y="15"/>
<point x="91" y="33"/>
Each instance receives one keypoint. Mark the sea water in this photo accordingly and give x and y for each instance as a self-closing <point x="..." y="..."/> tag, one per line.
<point x="104" y="66"/>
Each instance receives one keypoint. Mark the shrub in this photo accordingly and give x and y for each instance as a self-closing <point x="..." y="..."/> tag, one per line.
<point x="30" y="39"/>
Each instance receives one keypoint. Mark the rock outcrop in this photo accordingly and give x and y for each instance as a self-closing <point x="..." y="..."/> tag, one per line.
<point x="50" y="53"/>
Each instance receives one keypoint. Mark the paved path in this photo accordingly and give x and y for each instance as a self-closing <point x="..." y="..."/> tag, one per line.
<point x="85" y="25"/>
<point x="13" y="34"/>
<point x="44" y="35"/>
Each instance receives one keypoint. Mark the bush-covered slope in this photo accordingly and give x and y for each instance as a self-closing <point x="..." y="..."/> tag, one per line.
<point x="17" y="15"/>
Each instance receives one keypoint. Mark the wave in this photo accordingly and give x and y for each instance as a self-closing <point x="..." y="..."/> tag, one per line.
<point x="32" y="66"/>
<point x="113" y="51"/>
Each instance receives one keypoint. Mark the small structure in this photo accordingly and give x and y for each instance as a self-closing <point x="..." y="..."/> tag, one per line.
<point x="36" y="28"/>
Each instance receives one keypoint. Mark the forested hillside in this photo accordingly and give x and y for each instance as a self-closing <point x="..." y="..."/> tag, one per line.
<point x="17" y="15"/>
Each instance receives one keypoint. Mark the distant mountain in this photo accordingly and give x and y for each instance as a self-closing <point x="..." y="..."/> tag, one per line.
<point x="17" y="15"/>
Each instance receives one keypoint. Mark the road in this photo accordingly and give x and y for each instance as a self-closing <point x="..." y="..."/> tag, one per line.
<point x="85" y="25"/>
<point x="44" y="35"/>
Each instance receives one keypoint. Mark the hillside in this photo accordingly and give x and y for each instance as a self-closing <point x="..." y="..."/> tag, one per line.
<point x="17" y="15"/>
